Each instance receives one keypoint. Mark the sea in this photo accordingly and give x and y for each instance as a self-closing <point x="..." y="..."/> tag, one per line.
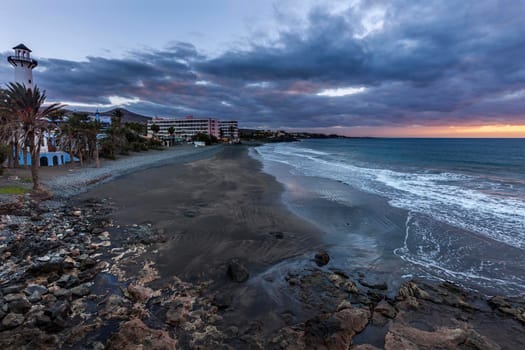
<point x="396" y="209"/>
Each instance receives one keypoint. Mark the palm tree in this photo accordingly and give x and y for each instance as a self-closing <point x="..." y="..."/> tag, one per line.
<point x="26" y="105"/>
<point x="155" y="128"/>
<point x="116" y="118"/>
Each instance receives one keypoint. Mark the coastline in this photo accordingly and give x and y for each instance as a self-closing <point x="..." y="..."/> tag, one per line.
<point x="69" y="181"/>
<point x="147" y="256"/>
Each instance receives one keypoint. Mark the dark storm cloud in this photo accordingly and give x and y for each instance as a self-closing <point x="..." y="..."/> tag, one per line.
<point x="428" y="63"/>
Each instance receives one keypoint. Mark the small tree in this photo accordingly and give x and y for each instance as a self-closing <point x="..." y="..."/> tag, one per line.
<point x="171" y="130"/>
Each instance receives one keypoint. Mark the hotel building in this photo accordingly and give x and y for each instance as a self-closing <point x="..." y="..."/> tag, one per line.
<point x="185" y="129"/>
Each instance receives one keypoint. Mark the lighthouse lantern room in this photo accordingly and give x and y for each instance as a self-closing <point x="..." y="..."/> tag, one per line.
<point x="23" y="64"/>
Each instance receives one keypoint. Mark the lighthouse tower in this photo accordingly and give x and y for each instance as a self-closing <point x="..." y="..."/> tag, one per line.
<point x="23" y="64"/>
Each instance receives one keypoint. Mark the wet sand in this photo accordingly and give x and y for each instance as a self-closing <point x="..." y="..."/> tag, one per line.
<point x="212" y="211"/>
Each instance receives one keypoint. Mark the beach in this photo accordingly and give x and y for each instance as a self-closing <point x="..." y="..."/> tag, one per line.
<point x="200" y="249"/>
<point x="212" y="211"/>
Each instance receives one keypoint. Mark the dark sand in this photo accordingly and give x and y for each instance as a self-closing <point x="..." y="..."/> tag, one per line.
<point x="211" y="211"/>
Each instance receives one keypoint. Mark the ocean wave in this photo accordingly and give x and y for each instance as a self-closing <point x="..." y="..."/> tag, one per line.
<point x="456" y="199"/>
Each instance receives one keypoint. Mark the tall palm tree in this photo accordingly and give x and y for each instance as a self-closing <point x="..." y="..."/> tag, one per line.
<point x="26" y="105"/>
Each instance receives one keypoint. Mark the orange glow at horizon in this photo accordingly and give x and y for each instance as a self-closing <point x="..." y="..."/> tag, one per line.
<point x="481" y="131"/>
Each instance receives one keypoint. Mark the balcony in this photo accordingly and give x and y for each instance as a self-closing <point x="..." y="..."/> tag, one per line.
<point x="14" y="59"/>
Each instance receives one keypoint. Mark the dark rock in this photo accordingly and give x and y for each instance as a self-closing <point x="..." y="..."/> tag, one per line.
<point x="277" y="234"/>
<point x="82" y="290"/>
<point x="35" y="297"/>
<point x="135" y="334"/>
<point x="55" y="264"/>
<point x="87" y="275"/>
<point x="32" y="288"/>
<point x="385" y="309"/>
<point x="67" y="281"/>
<point x="87" y="264"/>
<point x="20" y="306"/>
<point x="14" y="288"/>
<point x="62" y="293"/>
<point x="12" y="297"/>
<point x="498" y="302"/>
<point x="42" y="320"/>
<point x="97" y="230"/>
<point x="372" y="285"/>
<point x="175" y="315"/>
<point x="317" y="330"/>
<point x="12" y="320"/>
<point x="322" y="258"/>
<point x="58" y="309"/>
<point x="401" y="336"/>
<point x="222" y="300"/>
<point x="140" y="293"/>
<point x="237" y="271"/>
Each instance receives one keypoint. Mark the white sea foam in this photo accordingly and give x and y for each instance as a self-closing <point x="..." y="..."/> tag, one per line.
<point x="452" y="198"/>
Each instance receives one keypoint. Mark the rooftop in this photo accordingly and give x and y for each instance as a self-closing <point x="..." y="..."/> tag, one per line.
<point x="21" y="47"/>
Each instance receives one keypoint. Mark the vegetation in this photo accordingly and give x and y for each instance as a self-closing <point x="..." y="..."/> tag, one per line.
<point x="16" y="190"/>
<point x="25" y="123"/>
<point x="124" y="138"/>
<point x="155" y="129"/>
<point x="79" y="138"/>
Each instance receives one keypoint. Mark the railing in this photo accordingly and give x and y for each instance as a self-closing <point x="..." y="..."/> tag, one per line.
<point x="22" y="58"/>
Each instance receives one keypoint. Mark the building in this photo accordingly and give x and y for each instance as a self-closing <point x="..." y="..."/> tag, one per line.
<point x="183" y="129"/>
<point x="228" y="129"/>
<point x="23" y="64"/>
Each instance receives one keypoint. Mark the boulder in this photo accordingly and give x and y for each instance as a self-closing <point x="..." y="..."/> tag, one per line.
<point x="176" y="315"/>
<point x="12" y="320"/>
<point x="55" y="264"/>
<point x="321" y="258"/>
<point x="67" y="281"/>
<point x="139" y="293"/>
<point x="14" y="288"/>
<point x="385" y="309"/>
<point x="134" y="334"/>
<point x="335" y="331"/>
<point x="401" y="336"/>
<point x="81" y="290"/>
<point x="20" y="306"/>
<point x="237" y="271"/>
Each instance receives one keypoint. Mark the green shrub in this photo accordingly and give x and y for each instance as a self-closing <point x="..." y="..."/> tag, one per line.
<point x="13" y="190"/>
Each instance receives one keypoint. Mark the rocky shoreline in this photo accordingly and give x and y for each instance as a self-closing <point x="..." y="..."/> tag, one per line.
<point x="70" y="278"/>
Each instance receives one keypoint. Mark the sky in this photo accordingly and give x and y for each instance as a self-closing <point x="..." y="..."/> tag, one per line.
<point x="401" y="68"/>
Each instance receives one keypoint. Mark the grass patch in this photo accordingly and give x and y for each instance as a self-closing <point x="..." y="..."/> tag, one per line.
<point x="13" y="190"/>
<point x="27" y="180"/>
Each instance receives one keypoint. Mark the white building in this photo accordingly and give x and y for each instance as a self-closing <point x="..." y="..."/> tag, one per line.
<point x="23" y="64"/>
<point x="184" y="129"/>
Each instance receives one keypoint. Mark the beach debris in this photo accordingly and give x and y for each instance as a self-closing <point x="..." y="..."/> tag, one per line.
<point x="321" y="258"/>
<point x="237" y="271"/>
